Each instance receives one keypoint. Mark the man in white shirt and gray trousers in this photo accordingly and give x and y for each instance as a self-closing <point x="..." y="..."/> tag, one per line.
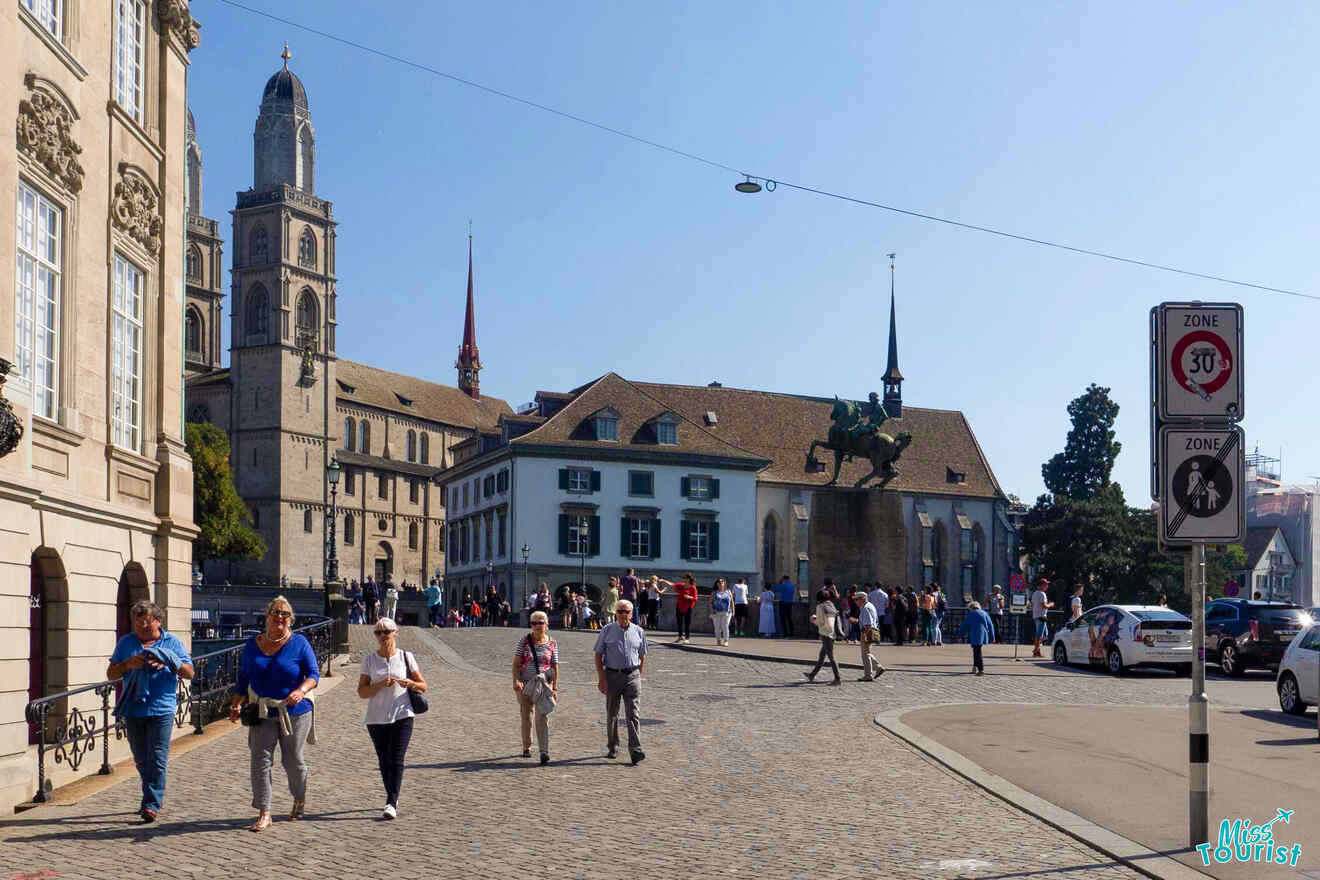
<point x="869" y="622"/>
<point x="620" y="655"/>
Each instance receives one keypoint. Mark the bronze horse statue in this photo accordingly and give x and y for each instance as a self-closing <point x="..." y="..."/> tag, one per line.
<point x="852" y="437"/>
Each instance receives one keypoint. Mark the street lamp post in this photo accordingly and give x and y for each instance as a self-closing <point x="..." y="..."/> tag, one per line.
<point x="336" y="606"/>
<point x="526" y="552"/>
<point x="332" y="562"/>
<point x="584" y="545"/>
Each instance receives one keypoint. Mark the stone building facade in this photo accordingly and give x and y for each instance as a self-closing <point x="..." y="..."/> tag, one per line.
<point x="290" y="404"/>
<point x="203" y="271"/>
<point x="96" y="494"/>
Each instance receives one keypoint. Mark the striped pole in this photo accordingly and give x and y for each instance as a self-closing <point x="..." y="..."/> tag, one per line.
<point x="1198" y="704"/>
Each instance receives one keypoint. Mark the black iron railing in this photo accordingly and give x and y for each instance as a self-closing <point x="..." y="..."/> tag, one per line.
<point x="69" y="733"/>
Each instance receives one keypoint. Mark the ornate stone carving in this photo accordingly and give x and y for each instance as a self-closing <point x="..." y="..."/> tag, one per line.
<point x="137" y="210"/>
<point x="11" y="429"/>
<point x="175" y="15"/>
<point x="45" y="133"/>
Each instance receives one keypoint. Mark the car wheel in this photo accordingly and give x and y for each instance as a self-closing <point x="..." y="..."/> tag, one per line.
<point x="1230" y="661"/>
<point x="1114" y="661"/>
<point x="1184" y="670"/>
<point x="1060" y="654"/>
<point x="1290" y="698"/>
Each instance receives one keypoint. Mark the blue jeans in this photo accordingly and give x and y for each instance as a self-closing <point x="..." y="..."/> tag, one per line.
<point x="149" y="740"/>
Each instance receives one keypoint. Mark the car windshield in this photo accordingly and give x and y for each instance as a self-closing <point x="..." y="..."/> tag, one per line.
<point x="1156" y="614"/>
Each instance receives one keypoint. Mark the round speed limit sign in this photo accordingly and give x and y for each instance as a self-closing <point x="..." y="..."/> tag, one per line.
<point x="1201" y="362"/>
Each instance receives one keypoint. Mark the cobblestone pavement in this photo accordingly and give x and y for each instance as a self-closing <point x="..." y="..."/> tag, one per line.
<point x="749" y="771"/>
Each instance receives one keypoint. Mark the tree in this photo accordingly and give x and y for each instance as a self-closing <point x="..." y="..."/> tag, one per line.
<point x="1087" y="461"/>
<point x="223" y="520"/>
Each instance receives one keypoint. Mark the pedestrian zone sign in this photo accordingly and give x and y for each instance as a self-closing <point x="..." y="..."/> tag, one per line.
<point x="1197" y="369"/>
<point x="1201" y="481"/>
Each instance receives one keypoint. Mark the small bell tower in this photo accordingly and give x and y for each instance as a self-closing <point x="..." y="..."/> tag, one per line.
<point x="893" y="379"/>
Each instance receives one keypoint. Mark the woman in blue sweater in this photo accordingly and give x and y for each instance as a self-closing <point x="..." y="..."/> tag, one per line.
<point x="277" y="672"/>
<point x="978" y="630"/>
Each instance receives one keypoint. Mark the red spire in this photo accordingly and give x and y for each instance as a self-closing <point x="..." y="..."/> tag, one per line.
<point x="469" y="359"/>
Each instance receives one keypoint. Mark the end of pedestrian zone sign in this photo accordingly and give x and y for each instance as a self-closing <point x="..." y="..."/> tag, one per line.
<point x="1202" y="482"/>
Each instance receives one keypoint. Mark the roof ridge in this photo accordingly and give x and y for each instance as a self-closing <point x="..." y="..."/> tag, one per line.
<point x="764" y="392"/>
<point x="692" y="422"/>
<point x="562" y="409"/>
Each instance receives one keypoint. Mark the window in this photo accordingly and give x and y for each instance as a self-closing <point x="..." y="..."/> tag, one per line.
<point x="193" y="263"/>
<point x="580" y="480"/>
<point x="412" y="536"/>
<point x="382" y="486"/>
<point x="927" y="554"/>
<point x="411" y="453"/>
<point x="607" y="428"/>
<point x="770" y="549"/>
<point x="465" y="495"/>
<point x="476" y="489"/>
<point x="258" y="311"/>
<point x="192" y="332"/>
<point x="502" y="481"/>
<point x="37" y="299"/>
<point x="349" y="480"/>
<point x="485" y="522"/>
<point x="258" y="247"/>
<point x="641" y="483"/>
<point x="701" y="488"/>
<point x="126" y="354"/>
<point x="383" y="525"/>
<point x="364" y="437"/>
<point x="666" y="432"/>
<point x="579" y="536"/>
<point x="350" y="434"/>
<point x="349" y="528"/>
<point x="503" y="523"/>
<point x="426" y="449"/>
<point x="488" y="486"/>
<point x="970" y="550"/>
<point x="47" y="12"/>
<point x="698" y="542"/>
<point x="307" y="521"/>
<point x="412" y="491"/>
<point x="952" y="476"/>
<point x="937" y="555"/>
<point x="454" y="504"/>
<point x="130" y="19"/>
<point x="307" y="249"/>
<point x="639" y="537"/>
<point x="307" y="317"/>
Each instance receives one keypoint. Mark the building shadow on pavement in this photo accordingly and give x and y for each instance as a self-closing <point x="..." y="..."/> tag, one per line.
<point x="135" y="832"/>
<point x="512" y="762"/>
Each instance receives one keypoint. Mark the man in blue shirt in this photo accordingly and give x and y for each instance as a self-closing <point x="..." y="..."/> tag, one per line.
<point x="620" y="655"/>
<point x="151" y="662"/>
<point x="433" y="605"/>
<point x="785" y="593"/>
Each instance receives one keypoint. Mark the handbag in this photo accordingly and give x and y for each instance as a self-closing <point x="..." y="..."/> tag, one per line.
<point x="250" y="715"/>
<point x="543" y="695"/>
<point x="416" y="700"/>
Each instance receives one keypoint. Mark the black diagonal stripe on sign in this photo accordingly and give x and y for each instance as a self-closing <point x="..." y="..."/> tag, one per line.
<point x="1200" y="490"/>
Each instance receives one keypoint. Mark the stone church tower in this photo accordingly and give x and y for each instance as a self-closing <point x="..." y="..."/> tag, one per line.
<point x="283" y="333"/>
<point x="203" y="267"/>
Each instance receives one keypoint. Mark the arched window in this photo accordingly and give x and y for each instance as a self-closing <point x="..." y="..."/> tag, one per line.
<point x="307" y="249"/>
<point x="426" y="449"/>
<point x="412" y="536"/>
<point x="258" y="249"/>
<point x="307" y="520"/>
<point x="770" y="549"/>
<point x="193" y="263"/>
<point x="350" y="434"/>
<point x="412" y="445"/>
<point x="364" y="437"/>
<point x="938" y="553"/>
<point x="258" y="311"/>
<point x="307" y="314"/>
<point x="192" y="332"/>
<point x="349" y="528"/>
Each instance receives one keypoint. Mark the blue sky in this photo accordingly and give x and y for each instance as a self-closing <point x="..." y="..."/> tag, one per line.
<point x="1178" y="133"/>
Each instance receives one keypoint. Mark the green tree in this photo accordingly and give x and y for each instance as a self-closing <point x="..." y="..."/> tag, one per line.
<point x="224" y="522"/>
<point x="1083" y="469"/>
<point x="1084" y="542"/>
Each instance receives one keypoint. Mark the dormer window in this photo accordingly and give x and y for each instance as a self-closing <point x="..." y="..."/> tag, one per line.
<point x="666" y="430"/>
<point x="606" y="424"/>
<point x="406" y="401"/>
<point x="952" y="476"/>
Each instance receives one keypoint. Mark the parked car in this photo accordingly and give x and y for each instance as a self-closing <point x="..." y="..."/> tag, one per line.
<point x="1119" y="637"/>
<point x="1244" y="633"/>
<point x="1298" y="681"/>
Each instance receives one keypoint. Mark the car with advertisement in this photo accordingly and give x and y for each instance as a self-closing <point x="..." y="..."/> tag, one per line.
<point x="1298" y="681"/>
<point x="1242" y="634"/>
<point x="1120" y="637"/>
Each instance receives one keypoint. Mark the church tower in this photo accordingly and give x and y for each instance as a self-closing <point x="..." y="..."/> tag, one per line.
<point x="893" y="379"/>
<point x="469" y="360"/>
<point x="202" y="270"/>
<point x="282" y="356"/>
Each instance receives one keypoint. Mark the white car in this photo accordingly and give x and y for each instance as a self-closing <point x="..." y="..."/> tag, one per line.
<point x="1118" y="637"/>
<point x="1299" y="671"/>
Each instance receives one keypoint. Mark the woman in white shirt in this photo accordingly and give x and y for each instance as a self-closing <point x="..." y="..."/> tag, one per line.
<point x="386" y="677"/>
<point x="824" y="618"/>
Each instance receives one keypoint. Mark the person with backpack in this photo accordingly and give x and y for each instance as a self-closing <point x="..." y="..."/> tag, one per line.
<point x="721" y="611"/>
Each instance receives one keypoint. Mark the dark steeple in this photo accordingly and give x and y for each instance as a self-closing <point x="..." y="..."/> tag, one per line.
<point x="469" y="360"/>
<point x="893" y="379"/>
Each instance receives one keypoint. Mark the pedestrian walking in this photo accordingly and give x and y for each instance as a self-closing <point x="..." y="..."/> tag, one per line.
<point x="740" y="589"/>
<point x="277" y="671"/>
<point x="766" y="614"/>
<point x="1075" y="605"/>
<point x="995" y="608"/>
<point x="371" y="599"/>
<point x="867" y="620"/>
<point x="880" y="599"/>
<point x="385" y="679"/>
<point x="150" y="661"/>
<point x="541" y="602"/>
<point x="824" y="617"/>
<point x="787" y="595"/>
<point x="721" y="610"/>
<point x="536" y="683"/>
<point x="898" y="603"/>
<point x="390" y="601"/>
<point x="612" y="598"/>
<point x="620" y="657"/>
<point x="979" y="630"/>
<point x="434" y="606"/>
<point x="685" y="599"/>
<point x="1040" y="606"/>
<point x="628" y="586"/>
<point x="941" y="608"/>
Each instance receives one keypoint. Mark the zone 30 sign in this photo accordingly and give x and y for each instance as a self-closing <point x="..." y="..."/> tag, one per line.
<point x="1198" y="373"/>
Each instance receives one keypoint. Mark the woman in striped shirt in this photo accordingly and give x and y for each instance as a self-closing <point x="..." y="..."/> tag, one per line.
<point x="536" y="658"/>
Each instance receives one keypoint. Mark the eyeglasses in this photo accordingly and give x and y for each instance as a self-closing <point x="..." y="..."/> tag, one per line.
<point x="623" y="611"/>
<point x="384" y="632"/>
<point x="283" y="615"/>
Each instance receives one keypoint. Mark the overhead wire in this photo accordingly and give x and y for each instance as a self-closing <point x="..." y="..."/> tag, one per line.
<point x="771" y="182"/>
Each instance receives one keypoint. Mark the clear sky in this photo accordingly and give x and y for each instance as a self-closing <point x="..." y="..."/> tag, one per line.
<point x="1180" y="133"/>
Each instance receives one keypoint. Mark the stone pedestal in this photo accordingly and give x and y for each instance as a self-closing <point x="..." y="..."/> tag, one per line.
<point x="857" y="536"/>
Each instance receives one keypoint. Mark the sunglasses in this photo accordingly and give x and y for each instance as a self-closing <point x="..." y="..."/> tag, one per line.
<point x="539" y="623"/>
<point x="385" y="632"/>
<point x="283" y="615"/>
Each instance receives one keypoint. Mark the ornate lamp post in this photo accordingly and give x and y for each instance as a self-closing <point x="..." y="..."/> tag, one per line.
<point x="336" y="606"/>
<point x="584" y="546"/>
<point x="332" y="561"/>
<point x="526" y="552"/>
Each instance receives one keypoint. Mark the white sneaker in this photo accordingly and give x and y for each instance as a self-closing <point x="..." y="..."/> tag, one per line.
<point x="389" y="812"/>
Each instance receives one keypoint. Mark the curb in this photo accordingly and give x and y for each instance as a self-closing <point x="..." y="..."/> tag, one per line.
<point x="765" y="658"/>
<point x="1130" y="853"/>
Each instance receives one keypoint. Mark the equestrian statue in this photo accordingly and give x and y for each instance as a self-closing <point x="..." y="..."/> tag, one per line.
<point x="858" y="435"/>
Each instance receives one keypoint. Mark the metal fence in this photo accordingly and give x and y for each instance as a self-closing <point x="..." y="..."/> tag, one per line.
<point x="69" y="733"/>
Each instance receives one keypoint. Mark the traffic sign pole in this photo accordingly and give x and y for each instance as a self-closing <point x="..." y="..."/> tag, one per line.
<point x="1198" y="708"/>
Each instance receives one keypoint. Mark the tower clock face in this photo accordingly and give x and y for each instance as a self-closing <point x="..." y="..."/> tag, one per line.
<point x="467" y="375"/>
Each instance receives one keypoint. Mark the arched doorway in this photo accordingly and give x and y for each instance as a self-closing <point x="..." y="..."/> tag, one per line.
<point x="133" y="587"/>
<point x="384" y="561"/>
<point x="48" y="660"/>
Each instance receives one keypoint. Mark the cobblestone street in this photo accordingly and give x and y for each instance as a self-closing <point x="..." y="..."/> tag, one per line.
<point x="749" y="771"/>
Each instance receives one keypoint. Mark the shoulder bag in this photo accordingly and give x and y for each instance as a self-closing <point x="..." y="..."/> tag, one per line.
<point x="416" y="700"/>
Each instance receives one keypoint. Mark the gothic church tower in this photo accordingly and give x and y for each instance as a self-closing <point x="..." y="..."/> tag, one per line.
<point x="202" y="271"/>
<point x="283" y="334"/>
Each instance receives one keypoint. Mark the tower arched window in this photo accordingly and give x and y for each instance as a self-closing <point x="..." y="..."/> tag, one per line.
<point x="307" y="520"/>
<point x="364" y="437"/>
<point x="307" y="249"/>
<point x="412" y="445"/>
<point x="193" y="263"/>
<point x="258" y="247"/>
<point x="426" y="449"/>
<point x="307" y="314"/>
<point x="192" y="332"/>
<point x="350" y="434"/>
<point x="349" y="528"/>
<point x="258" y="311"/>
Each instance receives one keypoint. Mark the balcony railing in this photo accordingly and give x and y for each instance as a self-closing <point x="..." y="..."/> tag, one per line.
<point x="70" y="733"/>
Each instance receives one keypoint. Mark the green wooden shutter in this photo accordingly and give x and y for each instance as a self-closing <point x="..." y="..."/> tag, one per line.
<point x="684" y="535"/>
<point x="595" y="481"/>
<point x="714" y="488"/>
<point x="655" y="539"/>
<point x="595" y="536"/>
<point x="686" y="488"/>
<point x="563" y="533"/>
<point x="623" y="538"/>
<point x="714" y="540"/>
<point x="563" y="478"/>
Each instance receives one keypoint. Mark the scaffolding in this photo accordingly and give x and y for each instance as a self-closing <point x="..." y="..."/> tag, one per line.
<point x="1265" y="465"/>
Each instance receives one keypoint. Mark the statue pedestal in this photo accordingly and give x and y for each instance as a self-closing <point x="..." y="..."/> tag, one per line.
<point x="857" y="536"/>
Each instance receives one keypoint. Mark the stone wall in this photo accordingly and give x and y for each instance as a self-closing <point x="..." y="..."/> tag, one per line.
<point x="857" y="536"/>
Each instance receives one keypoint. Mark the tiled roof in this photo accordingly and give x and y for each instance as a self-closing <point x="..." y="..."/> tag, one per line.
<point x="636" y="408"/>
<point x="780" y="427"/>
<point x="217" y="377"/>
<point x="386" y="464"/>
<point x="430" y="400"/>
